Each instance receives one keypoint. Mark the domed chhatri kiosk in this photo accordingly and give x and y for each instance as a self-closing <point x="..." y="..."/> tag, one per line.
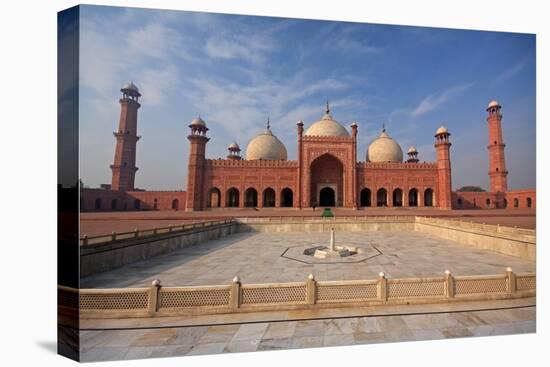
<point x="326" y="173"/>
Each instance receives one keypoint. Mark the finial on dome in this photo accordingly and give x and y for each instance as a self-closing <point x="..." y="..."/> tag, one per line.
<point x="327" y="109"/>
<point x="383" y="127"/>
<point x="267" y="122"/>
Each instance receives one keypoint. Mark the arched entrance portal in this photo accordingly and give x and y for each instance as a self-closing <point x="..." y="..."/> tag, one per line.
<point x="382" y="198"/>
<point x="251" y="197"/>
<point x="232" y="198"/>
<point x="413" y="197"/>
<point x="429" y="197"/>
<point x="327" y="181"/>
<point x="269" y="198"/>
<point x="365" y="197"/>
<point x="214" y="198"/>
<point x="327" y="197"/>
<point x="397" y="197"/>
<point x="286" y="197"/>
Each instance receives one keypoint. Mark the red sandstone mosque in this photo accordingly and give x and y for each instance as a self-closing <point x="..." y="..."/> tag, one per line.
<point x="326" y="173"/>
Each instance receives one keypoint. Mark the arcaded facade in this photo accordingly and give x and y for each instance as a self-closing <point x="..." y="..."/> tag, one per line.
<point x="326" y="173"/>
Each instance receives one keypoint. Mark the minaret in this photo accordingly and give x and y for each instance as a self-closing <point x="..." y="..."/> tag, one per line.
<point x="124" y="165"/>
<point x="354" y="167"/>
<point x="234" y="151"/>
<point x="413" y="155"/>
<point x="497" y="164"/>
<point x="300" y="131"/>
<point x="443" y="146"/>
<point x="195" y="175"/>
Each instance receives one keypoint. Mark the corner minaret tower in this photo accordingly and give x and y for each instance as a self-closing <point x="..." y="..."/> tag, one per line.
<point x="497" y="164"/>
<point x="124" y="165"/>
<point x="443" y="147"/>
<point x="195" y="176"/>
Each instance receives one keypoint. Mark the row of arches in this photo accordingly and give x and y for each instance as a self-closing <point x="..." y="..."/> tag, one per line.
<point x="528" y="202"/>
<point x="503" y="205"/>
<point x="398" y="197"/>
<point x="135" y="205"/>
<point x="251" y="198"/>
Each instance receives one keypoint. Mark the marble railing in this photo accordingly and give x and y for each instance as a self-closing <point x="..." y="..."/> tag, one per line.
<point x="156" y="300"/>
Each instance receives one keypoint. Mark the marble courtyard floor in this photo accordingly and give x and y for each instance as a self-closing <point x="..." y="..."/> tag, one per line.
<point x="256" y="258"/>
<point x="98" y="345"/>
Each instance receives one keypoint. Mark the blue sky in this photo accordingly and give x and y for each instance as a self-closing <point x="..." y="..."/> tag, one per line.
<point x="235" y="71"/>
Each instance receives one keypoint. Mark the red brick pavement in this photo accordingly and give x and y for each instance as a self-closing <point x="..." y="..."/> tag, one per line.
<point x="107" y="222"/>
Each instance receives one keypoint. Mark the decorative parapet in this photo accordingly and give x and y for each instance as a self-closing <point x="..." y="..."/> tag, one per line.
<point x="396" y="165"/>
<point x="251" y="164"/>
<point x="236" y="297"/>
<point x="495" y="229"/>
<point x="149" y="233"/>
<point x="327" y="139"/>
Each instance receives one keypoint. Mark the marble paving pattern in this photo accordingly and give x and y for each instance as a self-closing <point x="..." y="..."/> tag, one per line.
<point x="100" y="345"/>
<point x="256" y="258"/>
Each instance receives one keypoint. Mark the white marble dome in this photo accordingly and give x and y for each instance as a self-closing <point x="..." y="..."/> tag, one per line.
<point x="130" y="86"/>
<point x="265" y="146"/>
<point x="384" y="149"/>
<point x="198" y="121"/>
<point x="327" y="126"/>
<point x="442" y="130"/>
<point x="493" y="103"/>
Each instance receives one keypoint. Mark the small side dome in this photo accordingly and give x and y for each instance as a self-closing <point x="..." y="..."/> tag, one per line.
<point x="234" y="146"/>
<point x="493" y="103"/>
<point x="384" y="149"/>
<point x="198" y="121"/>
<point x="266" y="146"/>
<point x="327" y="126"/>
<point x="442" y="130"/>
<point x="412" y="150"/>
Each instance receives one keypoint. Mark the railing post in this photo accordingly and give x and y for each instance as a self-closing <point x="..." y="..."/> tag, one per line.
<point x="169" y="228"/>
<point x="382" y="287"/>
<point x="113" y="236"/>
<point x="155" y="231"/>
<point x="311" y="286"/>
<point x="136" y="232"/>
<point x="85" y="240"/>
<point x="235" y="294"/>
<point x="449" y="284"/>
<point x="511" y="285"/>
<point x="154" y="296"/>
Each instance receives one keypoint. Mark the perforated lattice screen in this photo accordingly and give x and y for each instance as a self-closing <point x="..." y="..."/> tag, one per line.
<point x="526" y="283"/>
<point x="474" y="286"/>
<point x="194" y="298"/>
<point x="336" y="293"/>
<point x="425" y="288"/>
<point x="259" y="295"/>
<point x="114" y="301"/>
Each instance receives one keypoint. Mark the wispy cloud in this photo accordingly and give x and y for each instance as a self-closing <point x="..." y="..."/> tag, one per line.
<point x="434" y="101"/>
<point x="252" y="48"/>
<point x="353" y="45"/>
<point x="510" y="72"/>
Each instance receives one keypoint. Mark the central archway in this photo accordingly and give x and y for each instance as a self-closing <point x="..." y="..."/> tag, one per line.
<point x="327" y="197"/>
<point x="327" y="174"/>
